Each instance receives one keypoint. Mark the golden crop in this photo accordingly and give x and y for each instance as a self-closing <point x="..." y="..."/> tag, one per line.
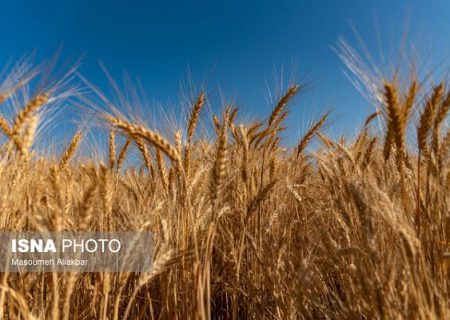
<point x="243" y="227"/>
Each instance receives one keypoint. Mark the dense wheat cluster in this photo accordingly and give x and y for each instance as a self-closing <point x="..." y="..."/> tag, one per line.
<point x="243" y="226"/>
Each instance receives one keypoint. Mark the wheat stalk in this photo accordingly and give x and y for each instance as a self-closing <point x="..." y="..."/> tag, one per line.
<point x="159" y="266"/>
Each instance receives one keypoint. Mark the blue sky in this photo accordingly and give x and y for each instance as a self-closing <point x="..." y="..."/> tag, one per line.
<point x="235" y="48"/>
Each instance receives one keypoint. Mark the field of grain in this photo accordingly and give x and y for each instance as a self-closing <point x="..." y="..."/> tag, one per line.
<point x="244" y="227"/>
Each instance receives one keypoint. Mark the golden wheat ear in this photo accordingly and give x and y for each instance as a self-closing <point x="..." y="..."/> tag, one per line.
<point x="148" y="135"/>
<point x="220" y="162"/>
<point x="112" y="149"/>
<point x="288" y="96"/>
<point x="144" y="153"/>
<point x="395" y="120"/>
<point x="310" y="134"/>
<point x="195" y="114"/>
<point x="31" y="107"/>
<point x="87" y="207"/>
<point x="192" y="124"/>
<point x="123" y="153"/>
<point x="5" y="127"/>
<point x="427" y="116"/>
<point x="71" y="149"/>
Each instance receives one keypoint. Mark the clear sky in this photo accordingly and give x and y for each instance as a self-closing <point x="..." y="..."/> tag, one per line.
<point x="234" y="46"/>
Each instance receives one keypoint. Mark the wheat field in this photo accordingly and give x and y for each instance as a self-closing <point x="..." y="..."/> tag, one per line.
<point x="244" y="227"/>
